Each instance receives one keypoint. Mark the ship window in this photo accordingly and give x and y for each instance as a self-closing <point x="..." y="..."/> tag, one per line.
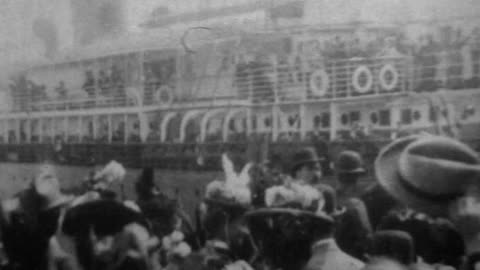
<point x="432" y="115"/>
<point x="374" y="117"/>
<point x="102" y="129"/>
<point x="88" y="128"/>
<point x="2" y="131"/>
<point x="384" y="117"/>
<point x="354" y="116"/>
<point x="317" y="121"/>
<point x="344" y="119"/>
<point x="416" y="115"/>
<point x="267" y="121"/>
<point x="23" y="130"/>
<point x="73" y="130"/>
<point x="325" y="120"/>
<point x="47" y="130"/>
<point x="59" y="128"/>
<point x="133" y="129"/>
<point x="118" y="128"/>
<point x="406" y="116"/>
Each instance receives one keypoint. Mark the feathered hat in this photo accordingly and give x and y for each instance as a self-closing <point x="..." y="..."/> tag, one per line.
<point x="112" y="172"/>
<point x="234" y="189"/>
<point x="294" y="199"/>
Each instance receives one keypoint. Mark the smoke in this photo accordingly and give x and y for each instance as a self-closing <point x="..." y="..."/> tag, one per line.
<point x="97" y="19"/>
<point x="46" y="31"/>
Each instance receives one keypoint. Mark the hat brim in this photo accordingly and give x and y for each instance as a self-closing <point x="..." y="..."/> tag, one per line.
<point x="354" y="171"/>
<point x="309" y="161"/>
<point x="265" y="212"/>
<point x="226" y="204"/>
<point x="389" y="177"/>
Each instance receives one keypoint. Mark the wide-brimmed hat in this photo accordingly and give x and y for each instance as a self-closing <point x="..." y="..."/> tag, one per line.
<point x="294" y="200"/>
<point x="349" y="162"/>
<point x="306" y="155"/>
<point x="427" y="172"/>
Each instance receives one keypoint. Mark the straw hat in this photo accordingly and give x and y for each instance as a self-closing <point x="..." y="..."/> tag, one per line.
<point x="427" y="172"/>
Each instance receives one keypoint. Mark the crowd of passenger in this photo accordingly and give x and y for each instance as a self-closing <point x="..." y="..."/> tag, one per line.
<point x="108" y="83"/>
<point x="447" y="59"/>
<point x="422" y="211"/>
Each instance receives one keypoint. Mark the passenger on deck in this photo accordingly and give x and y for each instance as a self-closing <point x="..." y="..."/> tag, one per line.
<point x="61" y="90"/>
<point x="89" y="84"/>
<point x="104" y="83"/>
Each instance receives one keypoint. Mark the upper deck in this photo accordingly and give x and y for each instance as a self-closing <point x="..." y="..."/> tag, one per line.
<point x="263" y="70"/>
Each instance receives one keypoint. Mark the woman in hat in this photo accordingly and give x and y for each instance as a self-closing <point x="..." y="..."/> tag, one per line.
<point x="221" y="220"/>
<point x="30" y="218"/>
<point x="293" y="232"/>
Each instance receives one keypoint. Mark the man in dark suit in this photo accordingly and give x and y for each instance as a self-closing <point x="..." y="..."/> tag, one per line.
<point x="353" y="226"/>
<point x="306" y="167"/>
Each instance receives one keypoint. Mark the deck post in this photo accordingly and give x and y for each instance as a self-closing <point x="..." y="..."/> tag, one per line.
<point x="302" y="121"/>
<point x="394" y="120"/>
<point x="333" y="120"/>
<point x="275" y="119"/>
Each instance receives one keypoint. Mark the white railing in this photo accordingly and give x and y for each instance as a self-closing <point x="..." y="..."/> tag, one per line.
<point x="295" y="80"/>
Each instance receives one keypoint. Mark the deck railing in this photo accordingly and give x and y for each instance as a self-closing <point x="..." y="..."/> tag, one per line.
<point x="295" y="81"/>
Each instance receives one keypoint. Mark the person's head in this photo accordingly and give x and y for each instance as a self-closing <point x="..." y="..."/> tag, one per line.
<point x="306" y="165"/>
<point x="393" y="244"/>
<point x="349" y="167"/>
<point x="145" y="184"/>
<point x="47" y="185"/>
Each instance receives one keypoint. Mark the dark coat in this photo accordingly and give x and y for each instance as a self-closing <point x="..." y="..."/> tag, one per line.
<point x="436" y="240"/>
<point x="353" y="228"/>
<point x="378" y="203"/>
<point x="26" y="231"/>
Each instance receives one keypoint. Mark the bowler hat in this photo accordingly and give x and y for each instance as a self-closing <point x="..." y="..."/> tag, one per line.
<point x="427" y="172"/>
<point x="303" y="156"/>
<point x="349" y="162"/>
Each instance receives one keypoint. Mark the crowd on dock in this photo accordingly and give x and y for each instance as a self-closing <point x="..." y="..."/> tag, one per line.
<point x="421" y="212"/>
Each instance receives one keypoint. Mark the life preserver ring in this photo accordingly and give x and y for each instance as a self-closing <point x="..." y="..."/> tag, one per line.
<point x="388" y="68"/>
<point x="322" y="88"/>
<point x="362" y="70"/>
<point x="163" y="95"/>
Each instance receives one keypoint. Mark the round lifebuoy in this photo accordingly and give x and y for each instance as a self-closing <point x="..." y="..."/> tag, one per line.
<point x="362" y="70"/>
<point x="319" y="82"/>
<point x="164" y="95"/>
<point x="388" y="85"/>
